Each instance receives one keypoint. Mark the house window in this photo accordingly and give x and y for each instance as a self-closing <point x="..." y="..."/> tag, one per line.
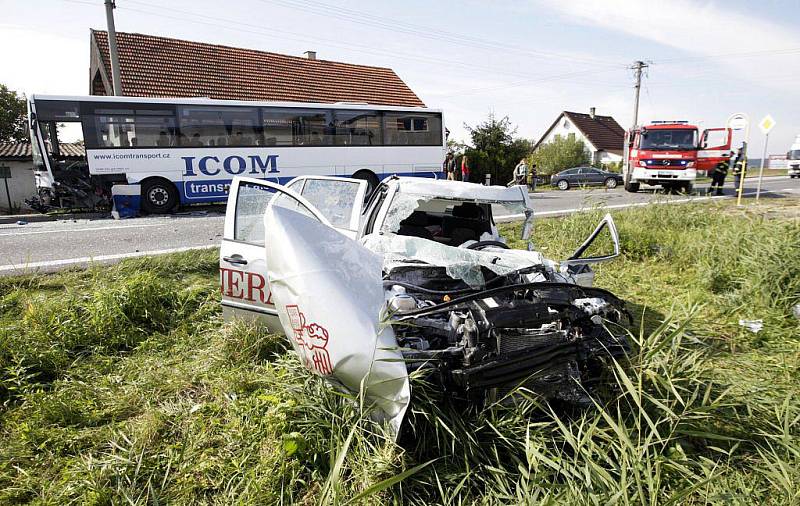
<point x="566" y="124"/>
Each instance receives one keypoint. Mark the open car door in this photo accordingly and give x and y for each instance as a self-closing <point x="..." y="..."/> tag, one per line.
<point x="339" y="199"/>
<point x="242" y="265"/>
<point x="328" y="292"/>
<point x="715" y="146"/>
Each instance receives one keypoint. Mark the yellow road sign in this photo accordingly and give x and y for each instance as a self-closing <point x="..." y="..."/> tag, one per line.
<point x="766" y="124"/>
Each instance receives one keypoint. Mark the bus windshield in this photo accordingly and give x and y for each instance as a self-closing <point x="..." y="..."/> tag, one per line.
<point x="679" y="138"/>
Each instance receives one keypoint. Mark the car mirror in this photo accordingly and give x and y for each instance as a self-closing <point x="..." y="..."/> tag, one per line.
<point x="606" y="223"/>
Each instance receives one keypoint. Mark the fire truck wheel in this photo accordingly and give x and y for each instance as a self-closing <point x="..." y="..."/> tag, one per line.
<point x="611" y="183"/>
<point x="632" y="187"/>
<point x="159" y="196"/>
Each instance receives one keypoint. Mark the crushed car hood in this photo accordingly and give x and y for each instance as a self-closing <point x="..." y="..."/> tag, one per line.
<point x="460" y="263"/>
<point x="328" y="292"/>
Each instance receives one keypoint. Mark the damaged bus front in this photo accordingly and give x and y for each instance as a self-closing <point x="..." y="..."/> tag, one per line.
<point x="60" y="169"/>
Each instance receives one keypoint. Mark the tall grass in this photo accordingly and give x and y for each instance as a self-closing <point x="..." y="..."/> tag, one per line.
<point x="121" y="384"/>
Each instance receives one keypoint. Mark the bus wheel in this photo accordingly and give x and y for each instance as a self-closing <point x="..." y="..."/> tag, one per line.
<point x="370" y="178"/>
<point x="159" y="196"/>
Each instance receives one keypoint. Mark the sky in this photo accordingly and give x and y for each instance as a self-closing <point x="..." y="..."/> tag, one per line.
<point x="525" y="59"/>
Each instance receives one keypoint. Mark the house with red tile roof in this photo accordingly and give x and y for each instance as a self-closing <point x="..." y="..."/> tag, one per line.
<point x="603" y="136"/>
<point x="153" y="66"/>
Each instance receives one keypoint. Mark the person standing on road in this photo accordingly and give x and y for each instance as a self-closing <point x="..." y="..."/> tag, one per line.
<point x="464" y="168"/>
<point x="521" y="173"/>
<point x="446" y="166"/>
<point x="718" y="177"/>
<point x="532" y="173"/>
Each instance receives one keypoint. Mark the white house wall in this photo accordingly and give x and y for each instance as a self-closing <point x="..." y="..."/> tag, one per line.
<point x="21" y="186"/>
<point x="606" y="157"/>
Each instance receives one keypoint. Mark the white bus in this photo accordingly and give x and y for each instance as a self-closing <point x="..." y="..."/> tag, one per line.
<point x="187" y="150"/>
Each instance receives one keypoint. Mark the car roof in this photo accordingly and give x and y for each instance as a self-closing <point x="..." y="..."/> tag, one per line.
<point x="459" y="190"/>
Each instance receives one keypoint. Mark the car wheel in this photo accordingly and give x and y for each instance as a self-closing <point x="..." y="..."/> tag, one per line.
<point x="611" y="183"/>
<point x="159" y="196"/>
<point x="563" y="184"/>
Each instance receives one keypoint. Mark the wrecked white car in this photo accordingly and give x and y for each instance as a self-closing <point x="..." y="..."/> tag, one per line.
<point x="416" y="279"/>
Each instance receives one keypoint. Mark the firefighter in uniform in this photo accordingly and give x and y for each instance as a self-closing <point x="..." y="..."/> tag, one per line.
<point x="718" y="177"/>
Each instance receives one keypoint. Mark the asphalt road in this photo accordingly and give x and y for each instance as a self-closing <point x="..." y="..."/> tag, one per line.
<point x="47" y="246"/>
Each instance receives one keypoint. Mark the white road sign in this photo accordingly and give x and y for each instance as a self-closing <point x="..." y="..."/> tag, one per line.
<point x="737" y="121"/>
<point x="766" y="124"/>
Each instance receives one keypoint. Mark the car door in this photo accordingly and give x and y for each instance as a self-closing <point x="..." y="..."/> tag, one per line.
<point x="584" y="176"/>
<point x="242" y="262"/>
<point x="339" y="199"/>
<point x="598" y="176"/>
<point x="571" y="175"/>
<point x="715" y="146"/>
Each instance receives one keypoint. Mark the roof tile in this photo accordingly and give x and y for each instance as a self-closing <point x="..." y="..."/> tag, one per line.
<point x="153" y="66"/>
<point x="602" y="131"/>
<point x="22" y="150"/>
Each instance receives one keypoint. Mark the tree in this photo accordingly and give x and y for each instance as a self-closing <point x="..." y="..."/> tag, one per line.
<point x="13" y="116"/>
<point x="494" y="149"/>
<point x="559" y="154"/>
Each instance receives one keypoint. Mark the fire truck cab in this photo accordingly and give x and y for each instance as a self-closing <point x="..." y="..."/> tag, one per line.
<point x="670" y="154"/>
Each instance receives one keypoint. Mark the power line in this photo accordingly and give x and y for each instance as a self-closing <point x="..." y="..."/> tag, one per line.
<point x="218" y="22"/>
<point x="373" y="21"/>
<point x="748" y="54"/>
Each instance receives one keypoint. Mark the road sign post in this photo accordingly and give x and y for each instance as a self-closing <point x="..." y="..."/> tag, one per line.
<point x="740" y="121"/>
<point x="766" y="125"/>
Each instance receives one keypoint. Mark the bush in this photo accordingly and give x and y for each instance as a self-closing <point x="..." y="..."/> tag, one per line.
<point x="559" y="154"/>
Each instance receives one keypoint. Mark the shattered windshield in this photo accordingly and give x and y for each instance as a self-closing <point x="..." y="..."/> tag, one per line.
<point x="449" y="221"/>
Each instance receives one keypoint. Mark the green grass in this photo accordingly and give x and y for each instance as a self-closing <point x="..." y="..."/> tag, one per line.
<point x="122" y="385"/>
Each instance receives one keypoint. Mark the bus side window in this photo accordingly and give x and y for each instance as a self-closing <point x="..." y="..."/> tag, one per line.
<point x="418" y="129"/>
<point x="120" y="128"/>
<point x="225" y="126"/>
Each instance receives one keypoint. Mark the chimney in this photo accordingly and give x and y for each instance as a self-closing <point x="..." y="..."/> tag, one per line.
<point x="311" y="55"/>
<point x="591" y="112"/>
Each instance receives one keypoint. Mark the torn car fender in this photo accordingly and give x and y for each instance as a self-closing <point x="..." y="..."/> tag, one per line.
<point x="328" y="292"/>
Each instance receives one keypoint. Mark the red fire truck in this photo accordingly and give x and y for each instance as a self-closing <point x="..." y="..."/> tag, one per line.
<point x="670" y="154"/>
